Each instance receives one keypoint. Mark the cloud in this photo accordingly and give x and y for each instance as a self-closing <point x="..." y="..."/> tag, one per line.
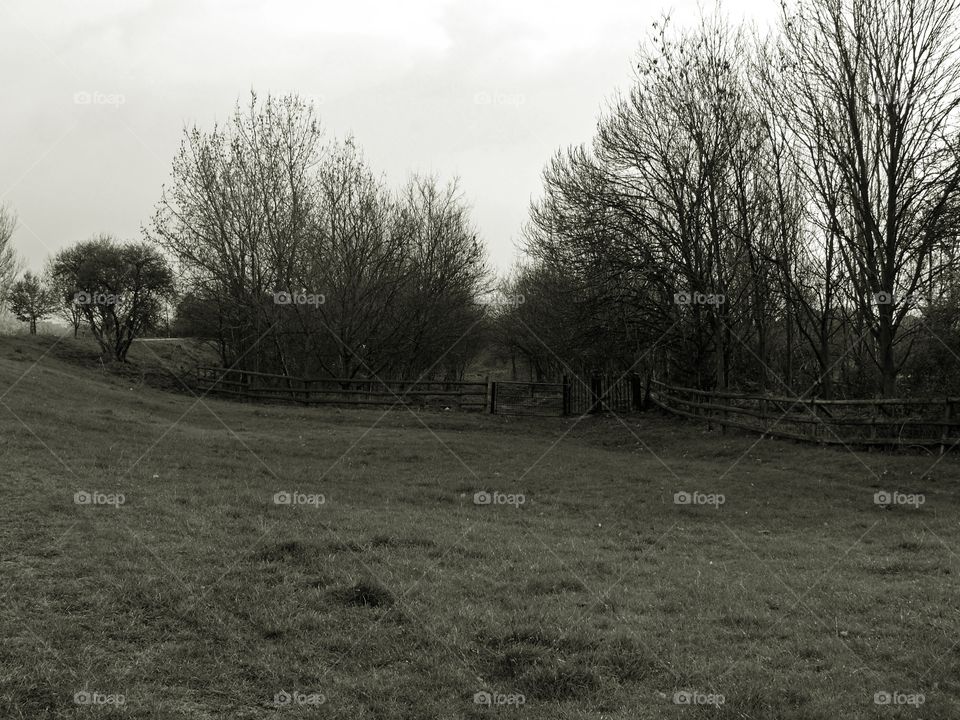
<point x="405" y="77"/>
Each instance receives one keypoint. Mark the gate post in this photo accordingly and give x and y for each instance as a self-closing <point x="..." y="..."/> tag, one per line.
<point x="566" y="395"/>
<point x="596" y="385"/>
<point x="636" y="393"/>
<point x="493" y="398"/>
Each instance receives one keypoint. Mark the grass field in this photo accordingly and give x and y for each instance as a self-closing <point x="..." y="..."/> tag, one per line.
<point x="397" y="596"/>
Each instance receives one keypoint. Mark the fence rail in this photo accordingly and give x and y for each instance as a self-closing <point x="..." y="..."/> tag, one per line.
<point x="880" y="422"/>
<point x="265" y="387"/>
<point x="571" y="396"/>
<point x="875" y="422"/>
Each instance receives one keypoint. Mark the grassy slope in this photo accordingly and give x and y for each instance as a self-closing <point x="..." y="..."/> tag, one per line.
<point x="598" y="597"/>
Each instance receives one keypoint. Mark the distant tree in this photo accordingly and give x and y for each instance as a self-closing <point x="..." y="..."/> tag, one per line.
<point x="64" y="292"/>
<point x="31" y="300"/>
<point x="119" y="289"/>
<point x="9" y="263"/>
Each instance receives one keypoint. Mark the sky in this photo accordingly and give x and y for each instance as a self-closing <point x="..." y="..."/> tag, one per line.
<point x="96" y="94"/>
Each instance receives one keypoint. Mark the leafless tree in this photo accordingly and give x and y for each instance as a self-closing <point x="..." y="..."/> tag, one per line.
<point x="873" y="88"/>
<point x="9" y="262"/>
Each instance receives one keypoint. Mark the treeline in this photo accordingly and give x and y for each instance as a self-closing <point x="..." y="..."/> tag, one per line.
<point x="295" y="256"/>
<point x="774" y="214"/>
<point x="286" y="251"/>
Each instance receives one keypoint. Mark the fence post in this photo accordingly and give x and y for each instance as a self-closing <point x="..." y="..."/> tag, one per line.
<point x="815" y="428"/>
<point x="493" y="398"/>
<point x="595" y="392"/>
<point x="947" y="417"/>
<point x="566" y="395"/>
<point x="636" y="393"/>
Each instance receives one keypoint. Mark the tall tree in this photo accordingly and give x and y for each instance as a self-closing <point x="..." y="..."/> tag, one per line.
<point x="874" y="88"/>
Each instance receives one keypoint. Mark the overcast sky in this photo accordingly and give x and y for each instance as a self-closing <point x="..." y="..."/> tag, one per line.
<point x="96" y="94"/>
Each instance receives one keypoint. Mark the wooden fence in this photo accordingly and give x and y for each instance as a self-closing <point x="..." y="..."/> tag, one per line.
<point x="881" y="422"/>
<point x="878" y="422"/>
<point x="264" y="387"/>
<point x="571" y="396"/>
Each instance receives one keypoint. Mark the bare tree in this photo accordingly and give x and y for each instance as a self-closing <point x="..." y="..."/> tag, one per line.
<point x="237" y="212"/>
<point x="10" y="264"/>
<point x="874" y="87"/>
